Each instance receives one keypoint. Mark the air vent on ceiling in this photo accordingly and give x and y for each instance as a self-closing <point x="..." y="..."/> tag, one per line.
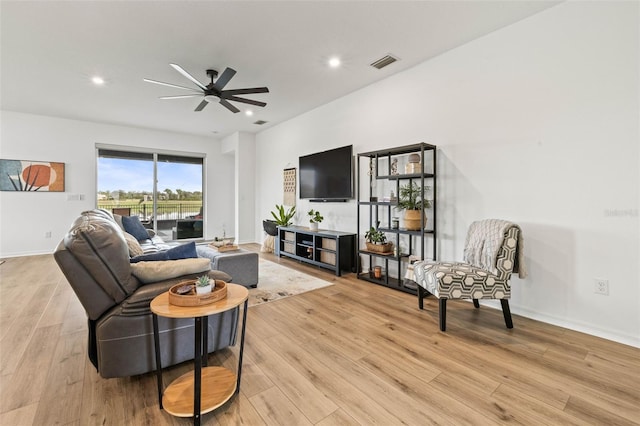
<point x="384" y="61"/>
<point x="260" y="122"/>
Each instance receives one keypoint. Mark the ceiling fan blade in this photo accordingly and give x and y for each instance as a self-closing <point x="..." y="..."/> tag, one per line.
<point x="181" y="96"/>
<point x="201" y="106"/>
<point x="224" y="78"/>
<point x="168" y="84"/>
<point x="228" y="106"/>
<point x="246" y="101"/>
<point x="245" y="91"/>
<point x="189" y="76"/>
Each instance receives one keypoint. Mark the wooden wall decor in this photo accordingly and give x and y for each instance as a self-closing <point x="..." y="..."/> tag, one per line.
<point x="289" y="187"/>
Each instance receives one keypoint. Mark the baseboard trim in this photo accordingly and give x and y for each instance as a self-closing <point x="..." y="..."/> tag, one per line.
<point x="582" y="327"/>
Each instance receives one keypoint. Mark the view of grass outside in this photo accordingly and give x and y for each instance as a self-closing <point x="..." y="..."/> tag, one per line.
<point x="165" y="209"/>
<point x="125" y="181"/>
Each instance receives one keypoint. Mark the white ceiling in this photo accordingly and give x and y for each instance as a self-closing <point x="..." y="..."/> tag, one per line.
<point x="51" y="49"/>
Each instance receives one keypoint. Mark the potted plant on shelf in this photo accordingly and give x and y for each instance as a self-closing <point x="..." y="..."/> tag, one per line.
<point x="314" y="219"/>
<point x="411" y="199"/>
<point x="203" y="285"/>
<point x="376" y="241"/>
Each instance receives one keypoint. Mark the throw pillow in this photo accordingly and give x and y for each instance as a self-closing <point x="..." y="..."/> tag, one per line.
<point x="118" y="219"/>
<point x="184" y="251"/>
<point x="149" y="272"/>
<point x="133" y="226"/>
<point x="134" y="245"/>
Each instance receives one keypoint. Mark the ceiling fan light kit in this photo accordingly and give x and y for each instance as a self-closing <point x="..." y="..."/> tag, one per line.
<point x="213" y="92"/>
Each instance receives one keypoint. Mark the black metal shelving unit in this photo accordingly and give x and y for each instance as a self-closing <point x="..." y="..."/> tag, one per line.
<point x="370" y="211"/>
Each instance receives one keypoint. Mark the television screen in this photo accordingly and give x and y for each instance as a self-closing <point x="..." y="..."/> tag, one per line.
<point x="327" y="175"/>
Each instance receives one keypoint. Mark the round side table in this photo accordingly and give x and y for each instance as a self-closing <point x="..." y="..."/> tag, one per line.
<point x="209" y="387"/>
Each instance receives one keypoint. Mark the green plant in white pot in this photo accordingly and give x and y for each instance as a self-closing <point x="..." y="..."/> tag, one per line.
<point x="314" y="219"/>
<point x="412" y="200"/>
<point x="203" y="285"/>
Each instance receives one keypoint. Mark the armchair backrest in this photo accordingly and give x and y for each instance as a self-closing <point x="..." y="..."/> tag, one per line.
<point x="94" y="257"/>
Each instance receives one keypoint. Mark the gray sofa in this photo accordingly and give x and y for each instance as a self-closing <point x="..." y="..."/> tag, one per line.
<point x="94" y="257"/>
<point x="241" y="264"/>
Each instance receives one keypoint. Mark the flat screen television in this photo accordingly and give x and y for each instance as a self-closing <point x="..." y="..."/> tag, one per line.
<point x="328" y="175"/>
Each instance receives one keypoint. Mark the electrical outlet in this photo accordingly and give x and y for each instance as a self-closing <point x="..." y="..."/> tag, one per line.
<point x="47" y="234"/>
<point x="601" y="286"/>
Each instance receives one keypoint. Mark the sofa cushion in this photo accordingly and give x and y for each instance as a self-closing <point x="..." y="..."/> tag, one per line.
<point x="118" y="220"/>
<point x="133" y="244"/>
<point x="153" y="245"/>
<point x="134" y="227"/>
<point x="150" y="272"/>
<point x="183" y="251"/>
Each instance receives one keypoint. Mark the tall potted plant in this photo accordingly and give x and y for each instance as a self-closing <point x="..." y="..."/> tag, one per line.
<point x="411" y="199"/>
<point x="282" y="218"/>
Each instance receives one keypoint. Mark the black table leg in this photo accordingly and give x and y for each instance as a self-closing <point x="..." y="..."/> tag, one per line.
<point x="244" y="323"/>
<point x="205" y="341"/>
<point x="197" y="374"/>
<point x="156" y="343"/>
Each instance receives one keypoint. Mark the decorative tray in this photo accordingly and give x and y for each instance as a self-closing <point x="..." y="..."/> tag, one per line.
<point x="224" y="248"/>
<point x="191" y="298"/>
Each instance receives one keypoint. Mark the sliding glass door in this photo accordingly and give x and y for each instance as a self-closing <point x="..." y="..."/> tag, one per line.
<point x="165" y="190"/>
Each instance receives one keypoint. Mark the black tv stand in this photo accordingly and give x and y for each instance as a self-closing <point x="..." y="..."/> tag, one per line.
<point x="328" y="249"/>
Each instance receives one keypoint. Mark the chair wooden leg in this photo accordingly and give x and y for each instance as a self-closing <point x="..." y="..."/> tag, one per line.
<point x="421" y="296"/>
<point x="443" y="314"/>
<point x="476" y="303"/>
<point x="506" y="312"/>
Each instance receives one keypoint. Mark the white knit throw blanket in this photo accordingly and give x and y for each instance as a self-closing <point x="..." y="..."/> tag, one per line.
<point x="484" y="239"/>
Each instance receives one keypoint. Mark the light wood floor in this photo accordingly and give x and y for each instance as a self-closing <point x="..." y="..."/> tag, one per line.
<point x="353" y="353"/>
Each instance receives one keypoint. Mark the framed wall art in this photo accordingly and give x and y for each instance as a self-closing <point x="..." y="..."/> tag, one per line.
<point x="31" y="176"/>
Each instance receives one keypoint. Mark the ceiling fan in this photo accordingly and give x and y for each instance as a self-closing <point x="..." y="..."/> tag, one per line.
<point x="213" y="91"/>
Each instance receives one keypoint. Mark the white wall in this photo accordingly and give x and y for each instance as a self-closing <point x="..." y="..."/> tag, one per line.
<point x="25" y="217"/>
<point x="536" y="123"/>
<point x="241" y="146"/>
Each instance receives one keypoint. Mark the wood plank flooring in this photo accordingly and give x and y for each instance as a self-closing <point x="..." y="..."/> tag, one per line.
<point x="349" y="354"/>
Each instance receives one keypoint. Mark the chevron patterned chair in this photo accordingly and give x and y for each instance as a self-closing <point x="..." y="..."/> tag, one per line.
<point x="493" y="250"/>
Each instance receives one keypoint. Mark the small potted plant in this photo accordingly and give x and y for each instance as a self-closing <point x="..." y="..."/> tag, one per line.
<point x="314" y="219"/>
<point x="411" y="199"/>
<point x="203" y="285"/>
<point x="376" y="241"/>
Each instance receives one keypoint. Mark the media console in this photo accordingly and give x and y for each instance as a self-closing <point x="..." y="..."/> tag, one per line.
<point x="333" y="250"/>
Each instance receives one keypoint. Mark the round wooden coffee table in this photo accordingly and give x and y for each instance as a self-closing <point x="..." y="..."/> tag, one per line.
<point x="209" y="387"/>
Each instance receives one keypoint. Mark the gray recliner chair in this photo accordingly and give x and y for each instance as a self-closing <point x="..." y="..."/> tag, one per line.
<point x="94" y="258"/>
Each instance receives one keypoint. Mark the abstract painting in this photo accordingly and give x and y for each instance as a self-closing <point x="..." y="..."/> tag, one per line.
<point x="21" y="175"/>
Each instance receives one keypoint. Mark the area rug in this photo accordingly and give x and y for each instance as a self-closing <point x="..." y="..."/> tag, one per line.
<point x="277" y="282"/>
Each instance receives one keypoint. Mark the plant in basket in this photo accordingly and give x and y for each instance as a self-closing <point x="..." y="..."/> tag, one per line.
<point x="203" y="285"/>
<point x="376" y="241"/>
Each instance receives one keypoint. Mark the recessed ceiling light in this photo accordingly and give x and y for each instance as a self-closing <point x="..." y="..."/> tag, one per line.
<point x="98" y="81"/>
<point x="249" y="112"/>
<point x="334" y="62"/>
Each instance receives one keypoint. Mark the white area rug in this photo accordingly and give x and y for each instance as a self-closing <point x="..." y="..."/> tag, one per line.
<point x="277" y="282"/>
